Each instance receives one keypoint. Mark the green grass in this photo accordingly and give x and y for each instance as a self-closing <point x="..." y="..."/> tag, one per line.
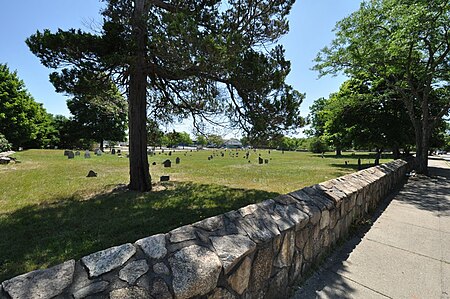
<point x="51" y="212"/>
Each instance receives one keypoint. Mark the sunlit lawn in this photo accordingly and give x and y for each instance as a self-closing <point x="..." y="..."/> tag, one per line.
<point x="51" y="212"/>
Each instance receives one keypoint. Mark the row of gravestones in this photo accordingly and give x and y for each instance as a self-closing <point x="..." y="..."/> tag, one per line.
<point x="87" y="154"/>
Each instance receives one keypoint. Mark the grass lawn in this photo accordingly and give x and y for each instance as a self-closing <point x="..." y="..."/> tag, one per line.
<point x="51" y="212"/>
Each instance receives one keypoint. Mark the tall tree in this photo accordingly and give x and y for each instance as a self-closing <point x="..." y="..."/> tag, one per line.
<point x="99" y="110"/>
<point x="23" y="121"/>
<point x="362" y="116"/>
<point x="198" y="58"/>
<point x="405" y="42"/>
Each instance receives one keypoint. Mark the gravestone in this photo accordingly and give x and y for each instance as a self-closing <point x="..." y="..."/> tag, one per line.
<point x="167" y="163"/>
<point x="260" y="160"/>
<point x="77" y="153"/>
<point x="154" y="163"/>
<point x="113" y="151"/>
<point x="177" y="160"/>
<point x="164" y="178"/>
<point x="99" y="153"/>
<point x="87" y="154"/>
<point x="71" y="155"/>
<point x="66" y="152"/>
<point x="266" y="161"/>
<point x="119" y="151"/>
<point x="209" y="158"/>
<point x="170" y="153"/>
<point x="91" y="174"/>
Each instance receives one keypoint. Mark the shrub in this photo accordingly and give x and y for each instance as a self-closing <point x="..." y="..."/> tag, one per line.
<point x="4" y="144"/>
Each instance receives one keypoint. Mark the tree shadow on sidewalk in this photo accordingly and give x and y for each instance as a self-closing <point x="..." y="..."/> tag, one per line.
<point x="430" y="193"/>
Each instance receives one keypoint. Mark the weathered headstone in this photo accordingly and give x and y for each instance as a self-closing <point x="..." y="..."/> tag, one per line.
<point x="164" y="178"/>
<point x="71" y="155"/>
<point x="209" y="158"/>
<point x="87" y="154"/>
<point x="113" y="151"/>
<point x="91" y="174"/>
<point x="119" y="151"/>
<point x="260" y="160"/>
<point x="167" y="163"/>
<point x="98" y="152"/>
<point x="177" y="160"/>
<point x="170" y="153"/>
<point x="266" y="161"/>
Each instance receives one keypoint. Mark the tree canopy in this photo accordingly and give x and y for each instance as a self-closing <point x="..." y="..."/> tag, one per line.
<point x="361" y="116"/>
<point x="23" y="121"/>
<point x="181" y="58"/>
<point x="406" y="43"/>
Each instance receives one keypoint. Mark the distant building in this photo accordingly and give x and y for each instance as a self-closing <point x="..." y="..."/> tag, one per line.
<point x="232" y="143"/>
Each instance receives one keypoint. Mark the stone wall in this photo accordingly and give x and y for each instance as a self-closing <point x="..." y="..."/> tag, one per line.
<point x="258" y="251"/>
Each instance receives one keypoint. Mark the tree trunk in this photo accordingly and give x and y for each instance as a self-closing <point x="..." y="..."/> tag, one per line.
<point x="338" y="151"/>
<point x="396" y="151"/>
<point x="137" y="110"/>
<point x="422" y="152"/>
<point x="101" y="145"/>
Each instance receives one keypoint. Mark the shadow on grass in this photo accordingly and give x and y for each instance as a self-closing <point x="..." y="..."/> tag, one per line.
<point x="356" y="156"/>
<point x="40" y="236"/>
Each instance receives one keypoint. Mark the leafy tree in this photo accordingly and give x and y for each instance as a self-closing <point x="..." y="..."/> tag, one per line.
<point x="99" y="110"/>
<point x="172" y="138"/>
<point x="24" y="122"/>
<point x="316" y="118"/>
<point x="199" y="58"/>
<point x="201" y="140"/>
<point x="405" y="42"/>
<point x="154" y="133"/>
<point x="360" y="116"/>
<point x="318" y="145"/>
<point x="215" y="140"/>
<point x="184" y="139"/>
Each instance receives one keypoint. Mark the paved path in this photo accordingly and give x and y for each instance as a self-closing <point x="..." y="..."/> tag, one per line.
<point x="405" y="254"/>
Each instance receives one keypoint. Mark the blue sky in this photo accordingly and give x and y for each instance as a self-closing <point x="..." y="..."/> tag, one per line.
<point x="311" y="23"/>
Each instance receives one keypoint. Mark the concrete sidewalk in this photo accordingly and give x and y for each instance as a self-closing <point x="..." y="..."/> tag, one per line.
<point x="405" y="254"/>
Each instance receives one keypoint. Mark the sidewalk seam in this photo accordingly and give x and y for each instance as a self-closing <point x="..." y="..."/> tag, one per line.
<point x="406" y="250"/>
<point x="364" y="286"/>
<point x="384" y="217"/>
